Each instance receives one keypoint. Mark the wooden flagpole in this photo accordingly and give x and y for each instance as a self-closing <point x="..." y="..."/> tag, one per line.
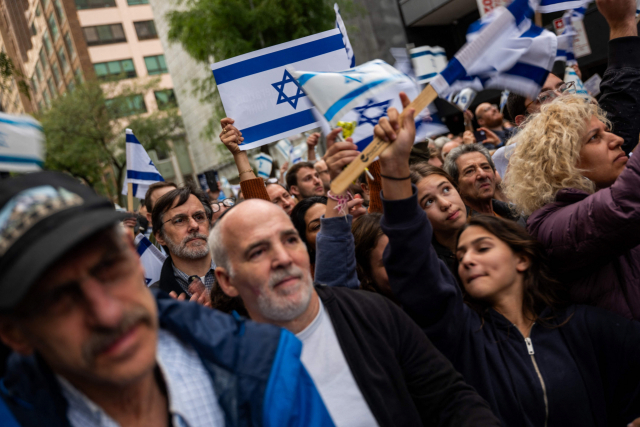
<point x="377" y="146"/>
<point x="130" y="197"/>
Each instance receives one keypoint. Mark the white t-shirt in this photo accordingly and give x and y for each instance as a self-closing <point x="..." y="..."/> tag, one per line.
<point x="323" y="358"/>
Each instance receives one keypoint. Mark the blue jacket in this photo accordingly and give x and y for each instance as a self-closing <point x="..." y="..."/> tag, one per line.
<point x="255" y="369"/>
<point x="584" y="372"/>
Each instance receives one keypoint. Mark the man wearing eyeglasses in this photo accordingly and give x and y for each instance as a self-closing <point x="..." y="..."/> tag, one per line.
<point x="491" y="121"/>
<point x="219" y="207"/>
<point x="181" y="222"/>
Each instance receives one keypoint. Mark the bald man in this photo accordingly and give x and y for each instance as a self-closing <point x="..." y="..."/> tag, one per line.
<point x="446" y="148"/>
<point x="356" y="344"/>
<point x="490" y="118"/>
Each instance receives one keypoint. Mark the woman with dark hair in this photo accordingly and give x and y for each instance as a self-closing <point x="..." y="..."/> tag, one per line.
<point x="306" y="219"/>
<point x="535" y="359"/>
<point x="439" y="198"/>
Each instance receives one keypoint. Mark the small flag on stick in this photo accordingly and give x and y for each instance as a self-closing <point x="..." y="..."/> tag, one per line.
<point x="141" y="172"/>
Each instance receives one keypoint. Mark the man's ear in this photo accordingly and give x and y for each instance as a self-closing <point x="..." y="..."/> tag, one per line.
<point x="159" y="238"/>
<point x="519" y="119"/>
<point x="13" y="336"/>
<point x="149" y="217"/>
<point x="294" y="190"/>
<point x="365" y="188"/>
<point x="223" y="280"/>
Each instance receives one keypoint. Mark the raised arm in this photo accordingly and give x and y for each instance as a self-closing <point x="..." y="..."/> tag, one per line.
<point x="335" y="247"/>
<point x="421" y="282"/>
<point x="252" y="186"/>
<point x="620" y="84"/>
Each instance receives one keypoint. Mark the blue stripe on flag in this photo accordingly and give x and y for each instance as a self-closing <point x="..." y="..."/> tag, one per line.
<point x="143" y="245"/>
<point x="16" y="159"/>
<point x="131" y="138"/>
<point x="277" y="126"/>
<point x="363" y="143"/>
<point x="278" y="59"/>
<point x="533" y="31"/>
<point x="427" y="76"/>
<point x="427" y="52"/>
<point x="20" y="123"/>
<point x="454" y="71"/>
<point x="147" y="176"/>
<point x="520" y="10"/>
<point x="531" y="72"/>
<point x="339" y="104"/>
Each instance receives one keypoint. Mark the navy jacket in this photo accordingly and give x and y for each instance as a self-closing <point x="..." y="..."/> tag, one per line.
<point x="255" y="369"/>
<point x="586" y="370"/>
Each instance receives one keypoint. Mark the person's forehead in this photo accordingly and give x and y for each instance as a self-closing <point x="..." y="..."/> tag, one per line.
<point x="432" y="182"/>
<point x="275" y="190"/>
<point x="552" y="82"/>
<point x="306" y="171"/>
<point x="160" y="192"/>
<point x="475" y="158"/>
<point x="472" y="233"/>
<point x="247" y="224"/>
<point x="191" y="205"/>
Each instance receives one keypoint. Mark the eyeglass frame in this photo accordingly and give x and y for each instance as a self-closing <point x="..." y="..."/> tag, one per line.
<point x="233" y="199"/>
<point x="559" y="91"/>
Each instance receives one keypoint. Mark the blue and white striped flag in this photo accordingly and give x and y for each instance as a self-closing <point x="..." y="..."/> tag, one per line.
<point x="265" y="101"/>
<point x="151" y="258"/>
<point x="427" y="62"/>
<point x="549" y="6"/>
<point x="565" y="40"/>
<point x="21" y="144"/>
<point x="141" y="171"/>
<point x="335" y="94"/>
<point x="504" y="50"/>
<point x="345" y="38"/>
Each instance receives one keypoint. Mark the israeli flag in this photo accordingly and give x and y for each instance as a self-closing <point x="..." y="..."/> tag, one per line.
<point x="345" y="37"/>
<point x="371" y="110"/>
<point x="335" y="94"/>
<point x="141" y="171"/>
<point x="21" y="144"/>
<point x="549" y="6"/>
<point x="151" y="258"/>
<point x="504" y="50"/>
<point x="428" y="62"/>
<point x="263" y="98"/>
<point x="265" y="164"/>
<point x="565" y="40"/>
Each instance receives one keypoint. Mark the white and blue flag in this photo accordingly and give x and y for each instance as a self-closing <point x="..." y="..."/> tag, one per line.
<point x="345" y="38"/>
<point x="427" y="62"/>
<point x="566" y="39"/>
<point x="504" y="50"/>
<point x="151" y="258"/>
<point x="263" y="98"/>
<point x="549" y="6"/>
<point x="141" y="172"/>
<point x="336" y="93"/>
<point x="21" y="144"/>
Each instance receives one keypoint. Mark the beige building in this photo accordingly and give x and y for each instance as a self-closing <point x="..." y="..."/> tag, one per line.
<point x="58" y="43"/>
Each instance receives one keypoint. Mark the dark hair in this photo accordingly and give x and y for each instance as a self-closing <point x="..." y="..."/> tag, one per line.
<point x="366" y="233"/>
<point x="225" y="303"/>
<point x="421" y="152"/>
<point x="421" y="170"/>
<point x="292" y="173"/>
<point x="297" y="217"/>
<point x="164" y="203"/>
<point x="516" y="106"/>
<point x="539" y="286"/>
<point x="153" y="187"/>
<point x="266" y="184"/>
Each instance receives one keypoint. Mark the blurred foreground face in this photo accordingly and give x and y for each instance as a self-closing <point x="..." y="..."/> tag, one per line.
<point x="488" y="268"/>
<point x="442" y="203"/>
<point x="601" y="157"/>
<point x="269" y="263"/>
<point x="91" y="317"/>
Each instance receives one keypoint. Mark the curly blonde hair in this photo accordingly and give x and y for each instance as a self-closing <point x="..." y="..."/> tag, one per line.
<point x="548" y="147"/>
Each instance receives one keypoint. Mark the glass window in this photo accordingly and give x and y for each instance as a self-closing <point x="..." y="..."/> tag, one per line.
<point x="137" y="2"/>
<point x="166" y="99"/>
<point x="34" y="84"/>
<point x="46" y="97"/>
<point x="104" y="34"/>
<point x="43" y="59"/>
<point x="39" y="71"/>
<point x="63" y="59"/>
<point x="47" y="43"/>
<point x="126" y="106"/>
<point x="34" y="31"/>
<point x="52" y="87"/>
<point x="71" y="86"/>
<point x="69" y="43"/>
<point x="45" y="3"/>
<point x="56" y="73"/>
<point x="115" y="70"/>
<point x="155" y="64"/>
<point x="54" y="27"/>
<point x="40" y="105"/>
<point x="146" y="30"/>
<point x="59" y="10"/>
<point x="78" y="74"/>
<point x="38" y="11"/>
<point x="94" y="4"/>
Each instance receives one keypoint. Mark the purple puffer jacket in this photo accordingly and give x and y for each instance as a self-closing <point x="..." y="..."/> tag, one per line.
<point x="593" y="242"/>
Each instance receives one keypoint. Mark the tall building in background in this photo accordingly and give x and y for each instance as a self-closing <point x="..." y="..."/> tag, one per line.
<point x="58" y="43"/>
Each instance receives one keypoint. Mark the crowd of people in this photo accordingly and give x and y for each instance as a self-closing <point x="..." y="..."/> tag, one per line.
<point x="458" y="282"/>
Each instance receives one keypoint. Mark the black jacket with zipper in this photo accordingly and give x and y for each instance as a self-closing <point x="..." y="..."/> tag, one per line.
<point x="583" y="373"/>
<point x="403" y="378"/>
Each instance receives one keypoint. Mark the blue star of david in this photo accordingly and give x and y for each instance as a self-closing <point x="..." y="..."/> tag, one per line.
<point x="364" y="119"/>
<point x="348" y="79"/>
<point x="282" y="97"/>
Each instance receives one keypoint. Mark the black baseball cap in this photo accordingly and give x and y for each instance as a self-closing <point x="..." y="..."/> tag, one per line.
<point x="42" y="216"/>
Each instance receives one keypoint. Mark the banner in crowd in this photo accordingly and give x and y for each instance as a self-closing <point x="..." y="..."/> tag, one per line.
<point x="427" y="62"/>
<point x="141" y="172"/>
<point x="151" y="259"/>
<point x="21" y="144"/>
<point x="263" y="98"/>
<point x="504" y="50"/>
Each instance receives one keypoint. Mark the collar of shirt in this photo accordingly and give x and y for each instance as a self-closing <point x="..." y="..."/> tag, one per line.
<point x="208" y="280"/>
<point x="191" y="398"/>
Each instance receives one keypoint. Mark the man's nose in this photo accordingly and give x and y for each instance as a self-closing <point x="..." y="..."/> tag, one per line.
<point x="104" y="309"/>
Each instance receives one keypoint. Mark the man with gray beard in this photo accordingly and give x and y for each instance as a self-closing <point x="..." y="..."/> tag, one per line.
<point x="181" y="221"/>
<point x="371" y="364"/>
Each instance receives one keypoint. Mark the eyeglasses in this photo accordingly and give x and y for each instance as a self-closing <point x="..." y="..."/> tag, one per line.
<point x="550" y="95"/>
<point x="181" y="220"/>
<point x="230" y="202"/>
